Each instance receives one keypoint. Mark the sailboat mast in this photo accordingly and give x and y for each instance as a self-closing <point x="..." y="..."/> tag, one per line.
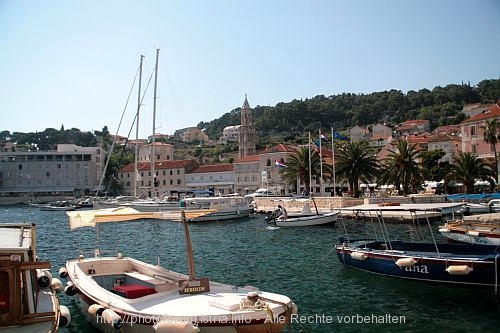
<point x="153" y="172"/>
<point x="310" y="171"/>
<point x="136" y="171"/>
<point x="333" y="164"/>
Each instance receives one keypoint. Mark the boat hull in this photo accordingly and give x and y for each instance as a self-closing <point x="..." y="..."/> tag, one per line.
<point x="223" y="215"/>
<point x="134" y="326"/>
<point x="428" y="267"/>
<point x="308" y="220"/>
<point x="216" y="311"/>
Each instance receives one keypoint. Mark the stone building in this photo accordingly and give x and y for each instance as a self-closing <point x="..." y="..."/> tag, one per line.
<point x="70" y="169"/>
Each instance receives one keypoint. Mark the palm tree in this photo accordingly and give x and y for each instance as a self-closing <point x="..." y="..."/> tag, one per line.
<point x="355" y="161"/>
<point x="491" y="135"/>
<point x="401" y="167"/>
<point x="467" y="168"/>
<point x="297" y="167"/>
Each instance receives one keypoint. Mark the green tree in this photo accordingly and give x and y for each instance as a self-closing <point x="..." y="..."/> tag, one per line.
<point x="491" y="135"/>
<point x="467" y="168"/>
<point x="297" y="167"/>
<point x="431" y="168"/>
<point x="401" y="167"/>
<point x="355" y="161"/>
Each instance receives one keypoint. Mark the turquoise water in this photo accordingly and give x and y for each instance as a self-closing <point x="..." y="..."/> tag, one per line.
<point x="298" y="262"/>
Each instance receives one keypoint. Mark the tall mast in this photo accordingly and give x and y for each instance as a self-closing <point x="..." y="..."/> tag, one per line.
<point x="153" y="172"/>
<point x="310" y="171"/>
<point x="333" y="164"/>
<point x="136" y="171"/>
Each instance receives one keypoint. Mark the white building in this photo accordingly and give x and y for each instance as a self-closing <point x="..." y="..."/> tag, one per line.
<point x="230" y="134"/>
<point x="218" y="178"/>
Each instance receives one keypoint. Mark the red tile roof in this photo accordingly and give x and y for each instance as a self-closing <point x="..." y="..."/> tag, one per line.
<point x="445" y="137"/>
<point x="493" y="111"/>
<point x="447" y="129"/>
<point x="420" y="138"/>
<point x="406" y="127"/>
<point x="159" y="165"/>
<point x="281" y="148"/>
<point x="416" y="122"/>
<point x="214" y="168"/>
<point x="246" y="159"/>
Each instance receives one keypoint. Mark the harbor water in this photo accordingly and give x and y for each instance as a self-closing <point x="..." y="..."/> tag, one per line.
<point x="298" y="262"/>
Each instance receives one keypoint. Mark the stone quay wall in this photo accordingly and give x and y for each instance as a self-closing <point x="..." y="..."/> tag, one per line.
<point x="327" y="204"/>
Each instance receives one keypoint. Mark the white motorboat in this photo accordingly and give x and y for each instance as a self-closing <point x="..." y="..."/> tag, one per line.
<point x="58" y="206"/>
<point x="308" y="220"/>
<point x="304" y="219"/>
<point x="132" y="296"/>
<point x="492" y="206"/>
<point x="224" y="208"/>
<point x="28" y="301"/>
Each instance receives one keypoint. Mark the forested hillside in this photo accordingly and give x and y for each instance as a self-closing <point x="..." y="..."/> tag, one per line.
<point x="292" y="120"/>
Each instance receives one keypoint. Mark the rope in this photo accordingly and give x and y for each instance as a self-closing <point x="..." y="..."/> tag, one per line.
<point x="373" y="224"/>
<point x="117" y="130"/>
<point x="496" y="274"/>
<point x="432" y="234"/>
<point x="260" y="303"/>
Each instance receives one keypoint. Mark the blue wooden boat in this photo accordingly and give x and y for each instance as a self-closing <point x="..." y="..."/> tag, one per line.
<point x="464" y="264"/>
<point x="459" y="264"/>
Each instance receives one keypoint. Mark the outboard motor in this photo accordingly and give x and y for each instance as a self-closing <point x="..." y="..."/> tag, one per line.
<point x="271" y="216"/>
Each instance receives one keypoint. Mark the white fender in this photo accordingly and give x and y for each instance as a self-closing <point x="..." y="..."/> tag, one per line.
<point x="95" y="310"/>
<point x="57" y="285"/>
<point x="175" y="327"/>
<point x="70" y="289"/>
<point x="44" y="278"/>
<point x="444" y="230"/>
<point x="359" y="255"/>
<point x="65" y="316"/>
<point x="406" y="262"/>
<point x="473" y="233"/>
<point x="63" y="272"/>
<point x="459" y="269"/>
<point x="112" y="318"/>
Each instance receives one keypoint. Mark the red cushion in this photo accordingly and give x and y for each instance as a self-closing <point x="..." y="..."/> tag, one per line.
<point x="133" y="290"/>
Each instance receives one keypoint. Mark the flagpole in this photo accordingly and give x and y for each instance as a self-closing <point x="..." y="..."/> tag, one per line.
<point x="309" y="144"/>
<point x="333" y="164"/>
<point x="321" y="163"/>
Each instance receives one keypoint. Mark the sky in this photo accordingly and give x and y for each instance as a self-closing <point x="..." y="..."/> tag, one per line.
<point x="72" y="63"/>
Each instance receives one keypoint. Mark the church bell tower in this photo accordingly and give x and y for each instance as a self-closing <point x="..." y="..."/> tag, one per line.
<point x="247" y="132"/>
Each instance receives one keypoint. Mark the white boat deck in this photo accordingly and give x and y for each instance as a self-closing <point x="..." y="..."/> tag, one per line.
<point x="15" y="238"/>
<point x="402" y="211"/>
